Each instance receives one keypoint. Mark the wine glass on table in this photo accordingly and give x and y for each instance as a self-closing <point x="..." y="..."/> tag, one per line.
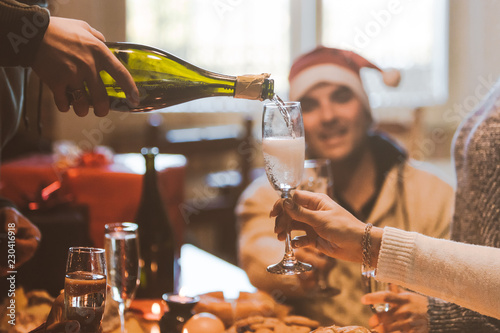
<point x="122" y="253"/>
<point x="283" y="146"/>
<point x="318" y="178"/>
<point x="85" y="287"/>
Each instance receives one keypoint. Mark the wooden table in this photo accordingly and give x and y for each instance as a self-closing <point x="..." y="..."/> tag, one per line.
<point x="201" y="272"/>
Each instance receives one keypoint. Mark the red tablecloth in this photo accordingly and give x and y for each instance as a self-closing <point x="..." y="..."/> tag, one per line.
<point x="111" y="192"/>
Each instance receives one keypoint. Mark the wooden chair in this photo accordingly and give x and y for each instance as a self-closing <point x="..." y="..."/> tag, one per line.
<point x="210" y="214"/>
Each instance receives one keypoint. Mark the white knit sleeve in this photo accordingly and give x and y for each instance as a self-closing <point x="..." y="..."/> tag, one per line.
<point x="465" y="274"/>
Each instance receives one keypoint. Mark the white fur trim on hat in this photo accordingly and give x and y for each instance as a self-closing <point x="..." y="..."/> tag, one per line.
<point x="313" y="75"/>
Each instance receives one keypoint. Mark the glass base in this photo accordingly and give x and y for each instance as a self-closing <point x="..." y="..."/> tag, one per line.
<point x="380" y="308"/>
<point x="289" y="267"/>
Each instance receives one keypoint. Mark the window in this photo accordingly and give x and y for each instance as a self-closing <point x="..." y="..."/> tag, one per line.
<point x="232" y="37"/>
<point x="243" y="37"/>
<point x="408" y="35"/>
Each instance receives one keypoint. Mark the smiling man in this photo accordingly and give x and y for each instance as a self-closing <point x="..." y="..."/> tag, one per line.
<point x="373" y="178"/>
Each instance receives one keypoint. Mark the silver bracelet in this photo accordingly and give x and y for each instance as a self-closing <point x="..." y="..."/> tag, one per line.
<point x="366" y="245"/>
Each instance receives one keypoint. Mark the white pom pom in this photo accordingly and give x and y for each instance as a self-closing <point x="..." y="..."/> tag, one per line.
<point x="391" y="77"/>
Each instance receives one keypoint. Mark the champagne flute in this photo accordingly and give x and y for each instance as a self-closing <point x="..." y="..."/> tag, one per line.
<point x="372" y="285"/>
<point x="85" y="287"/>
<point x="283" y="147"/>
<point x="318" y="178"/>
<point x="122" y="253"/>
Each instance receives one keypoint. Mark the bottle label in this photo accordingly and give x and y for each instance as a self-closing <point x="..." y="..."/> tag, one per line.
<point x="250" y="86"/>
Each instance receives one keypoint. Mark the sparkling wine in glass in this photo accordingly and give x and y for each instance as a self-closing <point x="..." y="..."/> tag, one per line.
<point x="283" y="147"/>
<point x="85" y="287"/>
<point x="122" y="255"/>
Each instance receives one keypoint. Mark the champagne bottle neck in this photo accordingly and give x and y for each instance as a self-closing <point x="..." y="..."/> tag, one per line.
<point x="150" y="167"/>
<point x="150" y="178"/>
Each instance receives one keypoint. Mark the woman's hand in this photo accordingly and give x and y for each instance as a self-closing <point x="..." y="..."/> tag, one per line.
<point x="70" y="56"/>
<point x="328" y="226"/>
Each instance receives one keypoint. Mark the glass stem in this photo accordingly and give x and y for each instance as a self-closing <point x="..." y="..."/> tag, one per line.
<point x="289" y="254"/>
<point x="121" y="310"/>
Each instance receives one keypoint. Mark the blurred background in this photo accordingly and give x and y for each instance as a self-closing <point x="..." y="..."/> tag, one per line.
<point x="447" y="52"/>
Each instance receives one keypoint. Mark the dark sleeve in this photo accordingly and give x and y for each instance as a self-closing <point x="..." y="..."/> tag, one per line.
<point x="6" y="203"/>
<point x="22" y="28"/>
<point x="447" y="317"/>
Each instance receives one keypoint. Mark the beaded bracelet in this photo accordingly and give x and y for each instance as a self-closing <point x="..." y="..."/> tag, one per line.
<point x="366" y="245"/>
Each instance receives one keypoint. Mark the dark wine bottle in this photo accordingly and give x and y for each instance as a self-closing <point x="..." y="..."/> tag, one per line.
<point x="164" y="80"/>
<point x="159" y="255"/>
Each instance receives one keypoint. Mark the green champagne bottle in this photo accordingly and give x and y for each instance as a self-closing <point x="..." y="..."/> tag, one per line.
<point x="164" y="80"/>
<point x="158" y="247"/>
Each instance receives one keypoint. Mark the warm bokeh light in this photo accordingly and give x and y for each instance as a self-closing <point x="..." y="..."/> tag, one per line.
<point x="155" y="329"/>
<point x="156" y="309"/>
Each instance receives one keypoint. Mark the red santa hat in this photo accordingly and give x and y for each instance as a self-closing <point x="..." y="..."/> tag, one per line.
<point x="334" y="66"/>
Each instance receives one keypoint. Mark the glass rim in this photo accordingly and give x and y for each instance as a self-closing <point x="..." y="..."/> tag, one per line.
<point x="86" y="249"/>
<point x="121" y="226"/>
<point x="287" y="104"/>
<point x="312" y="162"/>
<point x="170" y="298"/>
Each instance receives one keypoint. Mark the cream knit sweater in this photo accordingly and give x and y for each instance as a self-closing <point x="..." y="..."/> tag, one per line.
<point x="434" y="265"/>
<point x="460" y="273"/>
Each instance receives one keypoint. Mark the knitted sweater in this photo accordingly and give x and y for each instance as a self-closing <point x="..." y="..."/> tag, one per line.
<point x="465" y="274"/>
<point x="477" y="207"/>
<point x="22" y="28"/>
<point x="461" y="273"/>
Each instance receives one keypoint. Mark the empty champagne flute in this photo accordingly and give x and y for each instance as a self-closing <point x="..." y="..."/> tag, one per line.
<point x="283" y="147"/>
<point x="318" y="178"/>
<point x="85" y="287"/>
<point x="122" y="252"/>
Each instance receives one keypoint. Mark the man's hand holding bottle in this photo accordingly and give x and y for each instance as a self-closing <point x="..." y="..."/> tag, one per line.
<point x="69" y="60"/>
